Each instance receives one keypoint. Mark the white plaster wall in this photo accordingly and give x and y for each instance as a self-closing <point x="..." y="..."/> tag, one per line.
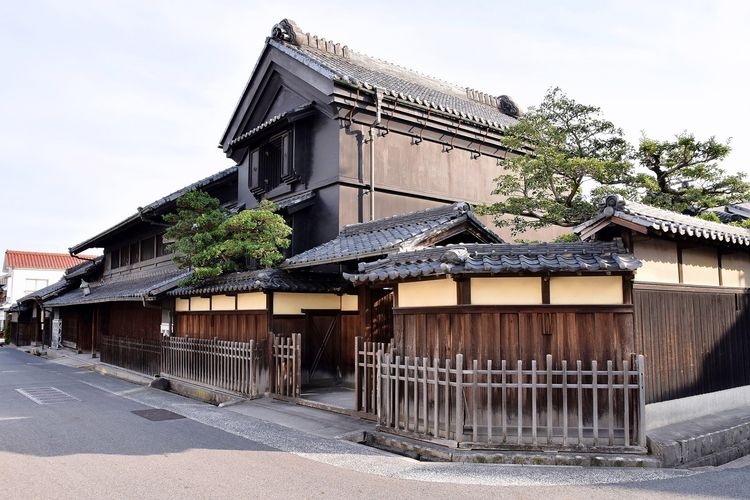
<point x="17" y="280"/>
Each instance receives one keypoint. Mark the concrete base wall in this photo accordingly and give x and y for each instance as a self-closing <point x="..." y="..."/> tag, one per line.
<point x="681" y="410"/>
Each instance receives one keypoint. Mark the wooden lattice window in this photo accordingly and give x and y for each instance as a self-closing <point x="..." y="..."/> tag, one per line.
<point x="270" y="164"/>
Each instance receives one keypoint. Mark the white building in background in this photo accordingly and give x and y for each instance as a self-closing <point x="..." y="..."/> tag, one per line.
<point x="26" y="272"/>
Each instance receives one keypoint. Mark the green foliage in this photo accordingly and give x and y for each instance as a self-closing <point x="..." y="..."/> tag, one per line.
<point x="709" y="216"/>
<point x="567" y="157"/>
<point x="563" y="145"/>
<point x="210" y="241"/>
<point x="567" y="238"/>
<point x="683" y="174"/>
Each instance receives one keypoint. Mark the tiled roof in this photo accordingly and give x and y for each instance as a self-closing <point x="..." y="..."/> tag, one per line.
<point x="659" y="220"/>
<point x="160" y="203"/>
<point x="111" y="290"/>
<point x="17" y="259"/>
<point x="344" y="65"/>
<point x="736" y="212"/>
<point x="48" y="291"/>
<point x="295" y="200"/>
<point x="280" y="118"/>
<point x="267" y="280"/>
<point x="581" y="257"/>
<point x="379" y="237"/>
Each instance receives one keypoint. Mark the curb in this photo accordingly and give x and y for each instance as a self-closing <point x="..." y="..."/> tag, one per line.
<point x="433" y="453"/>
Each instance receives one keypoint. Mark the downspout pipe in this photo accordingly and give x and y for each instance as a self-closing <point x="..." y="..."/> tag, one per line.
<point x="373" y="134"/>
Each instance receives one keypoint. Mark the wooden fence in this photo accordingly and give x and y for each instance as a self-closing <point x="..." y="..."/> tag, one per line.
<point x="287" y="365"/>
<point x="499" y="406"/>
<point x="140" y="355"/>
<point x="366" y="373"/>
<point x="233" y="366"/>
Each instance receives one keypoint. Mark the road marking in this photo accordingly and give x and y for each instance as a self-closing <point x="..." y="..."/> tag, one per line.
<point x="3" y="419"/>
<point x="47" y="395"/>
<point x="116" y="393"/>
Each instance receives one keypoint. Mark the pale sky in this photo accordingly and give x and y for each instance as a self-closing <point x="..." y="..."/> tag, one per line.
<point x="106" y="106"/>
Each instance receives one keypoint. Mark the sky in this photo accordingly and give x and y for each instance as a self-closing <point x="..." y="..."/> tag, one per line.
<point x="106" y="106"/>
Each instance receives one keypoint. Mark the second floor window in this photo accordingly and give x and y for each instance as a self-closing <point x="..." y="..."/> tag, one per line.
<point x="270" y="164"/>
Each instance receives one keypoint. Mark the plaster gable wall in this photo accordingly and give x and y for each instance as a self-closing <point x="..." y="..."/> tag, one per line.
<point x="16" y="287"/>
<point x="273" y="64"/>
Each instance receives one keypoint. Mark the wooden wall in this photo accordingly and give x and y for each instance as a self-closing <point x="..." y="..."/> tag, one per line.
<point x="130" y="319"/>
<point x="237" y="326"/>
<point x="696" y="340"/>
<point x="517" y="332"/>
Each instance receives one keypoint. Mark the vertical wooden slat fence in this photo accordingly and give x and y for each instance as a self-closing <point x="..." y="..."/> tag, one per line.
<point x="479" y="406"/>
<point x="233" y="366"/>
<point x="286" y="355"/>
<point x="140" y="355"/>
<point x="366" y="373"/>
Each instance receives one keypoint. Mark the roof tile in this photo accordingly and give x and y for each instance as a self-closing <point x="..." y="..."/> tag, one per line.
<point x="18" y="259"/>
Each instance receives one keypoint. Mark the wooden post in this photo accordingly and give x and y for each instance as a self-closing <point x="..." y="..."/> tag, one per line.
<point x="504" y="401"/>
<point x="533" y="402"/>
<point x="415" y="417"/>
<point x="610" y="404"/>
<point x="595" y="400"/>
<point x="641" y="402"/>
<point x="580" y="402"/>
<point x="519" y="416"/>
<point x="357" y="384"/>
<point x="406" y="393"/>
<point x="626" y="401"/>
<point x="436" y="394"/>
<point x="379" y="381"/>
<point x="447" y="400"/>
<point x="396" y="415"/>
<point x="425" y="421"/>
<point x="459" y="397"/>
<point x="548" y="360"/>
<point x="489" y="400"/>
<point x="474" y="397"/>
<point x="565" y="401"/>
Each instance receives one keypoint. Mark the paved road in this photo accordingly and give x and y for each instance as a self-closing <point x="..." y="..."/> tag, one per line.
<point x="89" y="444"/>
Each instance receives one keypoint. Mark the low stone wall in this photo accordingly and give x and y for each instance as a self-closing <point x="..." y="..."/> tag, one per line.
<point x="707" y="441"/>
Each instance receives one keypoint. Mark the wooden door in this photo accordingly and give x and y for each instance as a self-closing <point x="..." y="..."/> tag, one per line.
<point x="321" y="347"/>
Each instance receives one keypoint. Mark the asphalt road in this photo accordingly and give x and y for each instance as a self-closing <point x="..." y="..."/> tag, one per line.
<point x="88" y="443"/>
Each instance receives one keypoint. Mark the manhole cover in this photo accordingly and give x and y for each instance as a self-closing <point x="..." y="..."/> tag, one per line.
<point x="47" y="395"/>
<point x="157" y="414"/>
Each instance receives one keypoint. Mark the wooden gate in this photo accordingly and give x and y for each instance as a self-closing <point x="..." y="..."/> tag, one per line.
<point x="286" y="359"/>
<point x="321" y="340"/>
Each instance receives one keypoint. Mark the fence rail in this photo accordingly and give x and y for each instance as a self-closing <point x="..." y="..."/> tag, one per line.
<point x="287" y="365"/>
<point x="366" y="373"/>
<point x="140" y="355"/>
<point x="512" y="405"/>
<point x="234" y="366"/>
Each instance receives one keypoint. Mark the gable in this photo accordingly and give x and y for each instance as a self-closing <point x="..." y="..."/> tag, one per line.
<point x="278" y="84"/>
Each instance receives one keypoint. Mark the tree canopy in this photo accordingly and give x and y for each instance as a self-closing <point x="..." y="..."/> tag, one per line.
<point x="211" y="241"/>
<point x="566" y="156"/>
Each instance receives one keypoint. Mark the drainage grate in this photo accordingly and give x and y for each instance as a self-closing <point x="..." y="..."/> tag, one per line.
<point x="47" y="395"/>
<point x="157" y="414"/>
